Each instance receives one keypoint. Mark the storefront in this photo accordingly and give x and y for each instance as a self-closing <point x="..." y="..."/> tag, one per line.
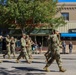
<point x="40" y="36"/>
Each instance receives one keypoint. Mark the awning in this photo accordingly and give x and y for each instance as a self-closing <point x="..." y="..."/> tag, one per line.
<point x="68" y="34"/>
<point x="40" y="32"/>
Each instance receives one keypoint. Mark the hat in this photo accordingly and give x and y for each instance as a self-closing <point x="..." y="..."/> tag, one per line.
<point x="7" y="35"/>
<point x="24" y="34"/>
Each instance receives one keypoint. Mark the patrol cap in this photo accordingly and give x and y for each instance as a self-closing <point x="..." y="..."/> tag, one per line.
<point x="52" y="31"/>
<point x="7" y="35"/>
<point x="56" y="31"/>
<point x="24" y="34"/>
<point x="0" y="37"/>
<point x="12" y="37"/>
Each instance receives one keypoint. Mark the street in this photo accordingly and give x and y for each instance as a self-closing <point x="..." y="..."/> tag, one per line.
<point x="10" y="67"/>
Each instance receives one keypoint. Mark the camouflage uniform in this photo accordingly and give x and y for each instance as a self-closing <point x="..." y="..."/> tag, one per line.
<point x="55" y="54"/>
<point x="29" y="48"/>
<point x="8" y="41"/>
<point x="23" y="52"/>
<point x="48" y="53"/>
<point x="13" y="42"/>
<point x="1" y="41"/>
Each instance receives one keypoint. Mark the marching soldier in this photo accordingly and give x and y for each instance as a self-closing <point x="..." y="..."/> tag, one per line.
<point x="29" y="48"/>
<point x="0" y="41"/>
<point x="55" y="55"/>
<point x="23" y="52"/>
<point x="48" y="53"/>
<point x="13" y="42"/>
<point x="8" y="41"/>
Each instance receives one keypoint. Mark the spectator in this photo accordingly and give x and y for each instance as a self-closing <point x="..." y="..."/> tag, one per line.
<point x="33" y="48"/>
<point x="64" y="47"/>
<point x="70" y="47"/>
<point x="36" y="47"/>
<point x="40" y="47"/>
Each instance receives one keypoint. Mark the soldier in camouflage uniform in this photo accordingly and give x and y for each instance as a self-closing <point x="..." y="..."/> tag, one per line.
<point x="8" y="41"/>
<point x="55" y="54"/>
<point x="1" y="41"/>
<point x="13" y="42"/>
<point x="29" y="48"/>
<point x="48" y="53"/>
<point x="23" y="52"/>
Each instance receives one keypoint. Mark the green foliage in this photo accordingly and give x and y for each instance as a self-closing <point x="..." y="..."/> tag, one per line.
<point x="18" y="12"/>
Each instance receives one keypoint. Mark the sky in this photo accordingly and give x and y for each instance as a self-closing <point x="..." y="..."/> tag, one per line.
<point x="67" y="0"/>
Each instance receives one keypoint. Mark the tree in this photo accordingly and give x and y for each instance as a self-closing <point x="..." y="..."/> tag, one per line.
<point x="29" y="14"/>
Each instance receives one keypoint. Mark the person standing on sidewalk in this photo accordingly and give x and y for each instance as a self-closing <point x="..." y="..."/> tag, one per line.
<point x="70" y="47"/>
<point x="40" y="47"/>
<point x="55" y="54"/>
<point x="64" y="47"/>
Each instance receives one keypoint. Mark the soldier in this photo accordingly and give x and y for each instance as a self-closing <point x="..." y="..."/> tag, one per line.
<point x="1" y="41"/>
<point x="23" y="52"/>
<point x="48" y="53"/>
<point x="29" y="48"/>
<point x="55" y="55"/>
<point x="8" y="41"/>
<point x="13" y="42"/>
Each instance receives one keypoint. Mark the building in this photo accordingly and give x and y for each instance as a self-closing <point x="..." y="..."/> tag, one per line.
<point x="68" y="11"/>
<point x="68" y="32"/>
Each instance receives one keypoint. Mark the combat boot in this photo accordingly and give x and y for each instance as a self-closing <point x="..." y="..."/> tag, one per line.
<point x="1" y="61"/>
<point x="61" y="69"/>
<point x="29" y="62"/>
<point x="4" y="56"/>
<point x="46" y="69"/>
<point x="17" y="61"/>
<point x="30" y="57"/>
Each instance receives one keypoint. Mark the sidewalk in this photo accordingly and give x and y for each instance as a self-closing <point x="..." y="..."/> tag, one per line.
<point x="44" y="49"/>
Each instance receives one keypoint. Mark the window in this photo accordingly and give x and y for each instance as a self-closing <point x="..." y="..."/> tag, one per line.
<point x="66" y="16"/>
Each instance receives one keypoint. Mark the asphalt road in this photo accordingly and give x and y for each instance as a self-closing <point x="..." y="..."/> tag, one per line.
<point x="10" y="67"/>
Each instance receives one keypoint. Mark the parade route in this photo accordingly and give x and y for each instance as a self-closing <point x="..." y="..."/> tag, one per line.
<point x="10" y="67"/>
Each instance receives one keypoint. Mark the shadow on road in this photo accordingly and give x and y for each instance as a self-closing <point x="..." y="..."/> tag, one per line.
<point x="28" y="69"/>
<point x="23" y="71"/>
<point x="35" y="74"/>
<point x="32" y="69"/>
<point x="3" y="71"/>
<point x="8" y="61"/>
